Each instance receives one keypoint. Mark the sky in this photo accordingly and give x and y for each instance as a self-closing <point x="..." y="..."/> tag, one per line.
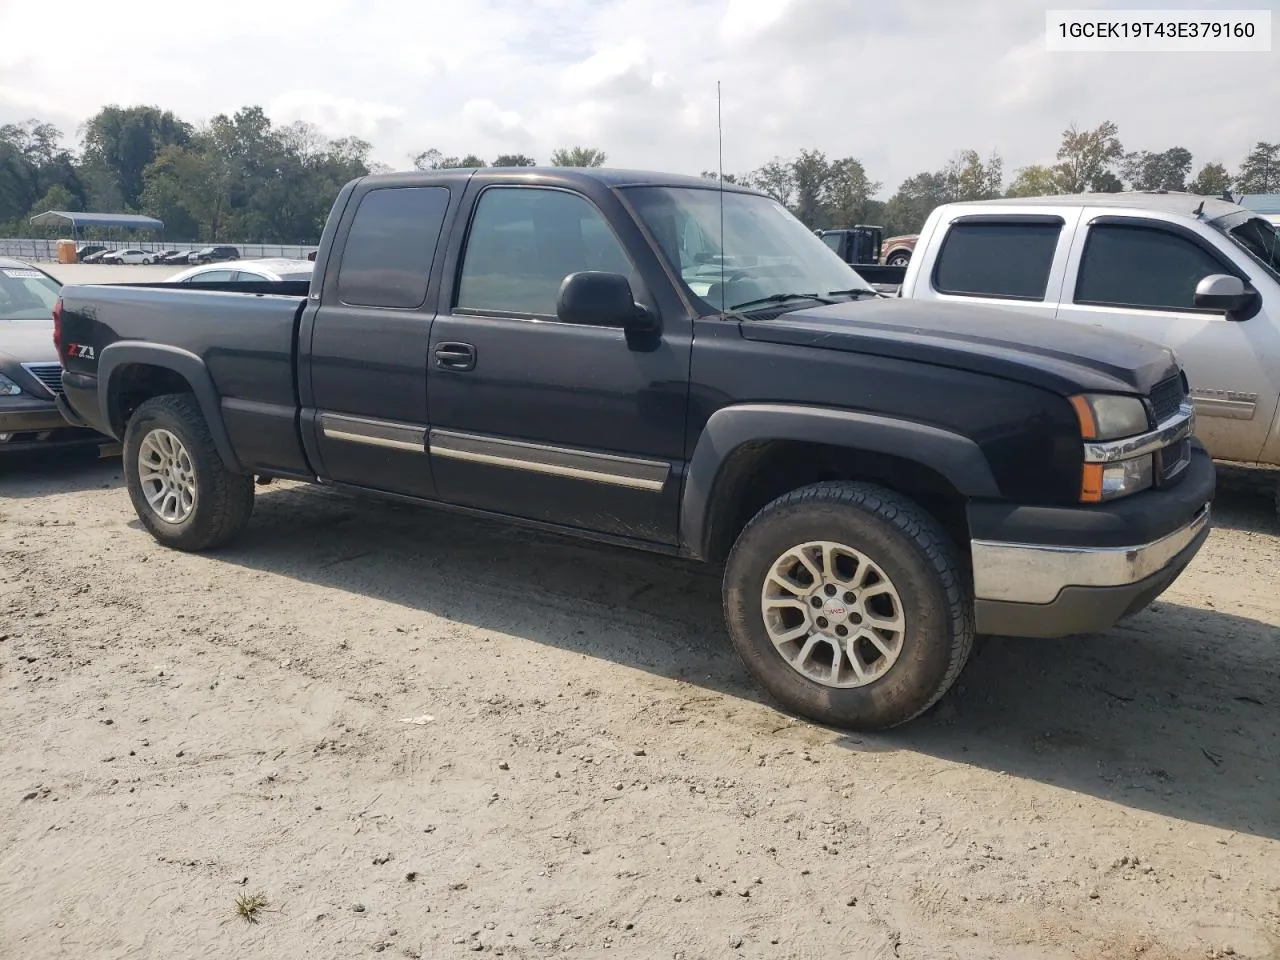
<point x="899" y="84"/>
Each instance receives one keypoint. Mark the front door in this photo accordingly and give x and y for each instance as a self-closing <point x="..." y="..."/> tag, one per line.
<point x="368" y="346"/>
<point x="573" y="424"/>
<point x="1139" y="277"/>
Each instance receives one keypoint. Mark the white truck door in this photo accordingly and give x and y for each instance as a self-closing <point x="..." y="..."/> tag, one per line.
<point x="1138" y="275"/>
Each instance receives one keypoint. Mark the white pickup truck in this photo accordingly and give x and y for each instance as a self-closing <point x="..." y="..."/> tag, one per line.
<point x="1197" y="274"/>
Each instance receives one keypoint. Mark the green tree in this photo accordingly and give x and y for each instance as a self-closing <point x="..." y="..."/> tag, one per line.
<point x="1036" y="180"/>
<point x="433" y="159"/>
<point x="33" y="166"/>
<point x="777" y="178"/>
<point x="1165" y="170"/>
<point x="971" y="178"/>
<point x="848" y="196"/>
<point x="578" y="157"/>
<point x="514" y="160"/>
<point x="123" y="141"/>
<point x="57" y="197"/>
<point x="712" y="175"/>
<point x="1260" y="172"/>
<point x="1088" y="158"/>
<point x="915" y="199"/>
<point x="1213" y="180"/>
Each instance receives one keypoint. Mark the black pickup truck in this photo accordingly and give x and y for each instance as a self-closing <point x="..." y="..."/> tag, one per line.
<point x="658" y="362"/>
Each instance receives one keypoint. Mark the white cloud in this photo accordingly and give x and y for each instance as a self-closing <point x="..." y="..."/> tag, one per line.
<point x="746" y="19"/>
<point x="901" y="85"/>
<point x="336" y="116"/>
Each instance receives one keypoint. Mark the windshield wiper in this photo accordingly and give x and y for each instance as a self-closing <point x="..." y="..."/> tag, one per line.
<point x="853" y="291"/>
<point x="780" y="298"/>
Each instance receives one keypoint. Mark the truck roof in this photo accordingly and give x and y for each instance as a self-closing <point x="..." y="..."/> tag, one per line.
<point x="608" y="176"/>
<point x="1175" y="203"/>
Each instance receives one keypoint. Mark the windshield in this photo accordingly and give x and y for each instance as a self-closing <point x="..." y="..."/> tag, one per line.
<point x="1257" y="236"/>
<point x="26" y="294"/>
<point x="766" y="257"/>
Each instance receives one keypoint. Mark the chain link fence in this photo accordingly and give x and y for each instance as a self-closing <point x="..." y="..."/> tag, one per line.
<point x="47" y="250"/>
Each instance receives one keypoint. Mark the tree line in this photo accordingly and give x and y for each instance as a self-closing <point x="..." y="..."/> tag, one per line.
<point x="242" y="178"/>
<point x="838" y="193"/>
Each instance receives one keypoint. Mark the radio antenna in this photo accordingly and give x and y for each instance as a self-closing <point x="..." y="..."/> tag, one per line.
<point x="720" y="173"/>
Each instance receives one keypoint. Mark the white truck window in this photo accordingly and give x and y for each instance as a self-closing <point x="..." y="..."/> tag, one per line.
<point x="1141" y="267"/>
<point x="1009" y="260"/>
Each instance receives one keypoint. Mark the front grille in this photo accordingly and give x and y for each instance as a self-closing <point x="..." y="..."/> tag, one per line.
<point x="1166" y="398"/>
<point x="49" y="375"/>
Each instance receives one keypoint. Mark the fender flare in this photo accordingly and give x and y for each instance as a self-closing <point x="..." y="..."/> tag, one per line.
<point x="182" y="362"/>
<point x="955" y="457"/>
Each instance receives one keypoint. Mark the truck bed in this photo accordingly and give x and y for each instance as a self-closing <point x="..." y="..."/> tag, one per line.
<point x="243" y="334"/>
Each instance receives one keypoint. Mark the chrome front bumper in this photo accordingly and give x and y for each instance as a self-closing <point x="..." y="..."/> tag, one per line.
<point x="1038" y="590"/>
<point x="1038" y="573"/>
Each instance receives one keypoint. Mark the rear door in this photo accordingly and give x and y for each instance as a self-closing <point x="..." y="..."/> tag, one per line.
<point x="1138" y="275"/>
<point x="365" y="382"/>
<point x="1010" y="260"/>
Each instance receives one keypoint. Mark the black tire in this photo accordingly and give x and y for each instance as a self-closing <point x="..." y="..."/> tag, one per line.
<point x="223" y="500"/>
<point x="899" y="259"/>
<point x="915" y="554"/>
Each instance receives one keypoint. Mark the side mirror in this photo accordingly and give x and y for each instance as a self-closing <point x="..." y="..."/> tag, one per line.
<point x="602" y="299"/>
<point x="1220" y="291"/>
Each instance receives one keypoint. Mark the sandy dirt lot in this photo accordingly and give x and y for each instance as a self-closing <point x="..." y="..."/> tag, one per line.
<point x="425" y="736"/>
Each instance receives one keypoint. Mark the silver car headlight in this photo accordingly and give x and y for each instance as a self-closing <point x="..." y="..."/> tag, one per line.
<point x="8" y="388"/>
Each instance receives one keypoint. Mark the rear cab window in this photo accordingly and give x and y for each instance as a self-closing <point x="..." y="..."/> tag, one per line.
<point x="391" y="246"/>
<point x="998" y="257"/>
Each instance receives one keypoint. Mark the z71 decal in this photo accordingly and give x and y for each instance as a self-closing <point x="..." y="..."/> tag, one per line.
<point x="80" y="350"/>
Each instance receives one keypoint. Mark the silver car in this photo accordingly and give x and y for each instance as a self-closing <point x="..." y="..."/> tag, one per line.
<point x="30" y="374"/>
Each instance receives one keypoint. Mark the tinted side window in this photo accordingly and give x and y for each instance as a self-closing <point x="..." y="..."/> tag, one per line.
<point x="1009" y="260"/>
<point x="1141" y="267"/>
<point x="392" y="243"/>
<point x="523" y="243"/>
<point x="832" y="240"/>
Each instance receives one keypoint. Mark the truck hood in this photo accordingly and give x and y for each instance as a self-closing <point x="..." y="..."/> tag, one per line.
<point x="1056" y="355"/>
<point x="27" y="341"/>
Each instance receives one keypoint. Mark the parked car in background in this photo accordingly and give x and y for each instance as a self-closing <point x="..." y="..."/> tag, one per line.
<point x="897" y="251"/>
<point x="97" y="255"/>
<point x="247" y="271"/>
<point x="128" y="255"/>
<point x="859" y="247"/>
<point x="174" y="256"/>
<point x="30" y="375"/>
<point x="86" y="250"/>
<point x="213" y="255"/>
<point x="1197" y="274"/>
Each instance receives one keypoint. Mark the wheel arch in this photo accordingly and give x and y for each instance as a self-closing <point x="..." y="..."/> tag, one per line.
<point x="750" y="454"/>
<point x="129" y="374"/>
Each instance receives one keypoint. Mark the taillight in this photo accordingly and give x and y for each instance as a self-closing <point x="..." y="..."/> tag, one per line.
<point x="57" y="328"/>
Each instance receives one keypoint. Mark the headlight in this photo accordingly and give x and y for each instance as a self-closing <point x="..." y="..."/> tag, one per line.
<point x="1105" y="416"/>
<point x="8" y="388"/>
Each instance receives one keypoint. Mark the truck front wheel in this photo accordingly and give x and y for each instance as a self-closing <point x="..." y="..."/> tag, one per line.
<point x="849" y="605"/>
<point x="181" y="490"/>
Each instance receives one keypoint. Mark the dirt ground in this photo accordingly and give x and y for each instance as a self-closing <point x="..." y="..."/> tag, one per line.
<point x="426" y="736"/>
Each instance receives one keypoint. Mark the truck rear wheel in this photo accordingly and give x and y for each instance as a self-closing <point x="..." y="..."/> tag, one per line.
<point x="181" y="490"/>
<point x="848" y="603"/>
